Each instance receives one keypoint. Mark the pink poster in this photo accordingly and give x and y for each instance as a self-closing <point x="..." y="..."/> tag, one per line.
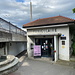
<point x="37" y="50"/>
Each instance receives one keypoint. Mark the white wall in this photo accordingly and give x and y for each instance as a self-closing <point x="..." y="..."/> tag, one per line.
<point x="30" y="40"/>
<point x="16" y="48"/>
<point x="64" y="49"/>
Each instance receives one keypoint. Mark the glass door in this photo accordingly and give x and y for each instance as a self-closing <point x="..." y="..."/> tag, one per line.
<point x="46" y="46"/>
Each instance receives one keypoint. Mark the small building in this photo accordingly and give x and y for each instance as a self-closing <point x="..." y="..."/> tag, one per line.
<point x="50" y="37"/>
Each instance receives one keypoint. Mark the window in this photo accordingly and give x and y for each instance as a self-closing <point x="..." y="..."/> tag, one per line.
<point x="63" y="42"/>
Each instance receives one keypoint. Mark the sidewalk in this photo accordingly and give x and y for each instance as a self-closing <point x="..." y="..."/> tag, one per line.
<point x="71" y="63"/>
<point x="59" y="62"/>
<point x="66" y="63"/>
<point x="31" y="64"/>
<point x="42" y="67"/>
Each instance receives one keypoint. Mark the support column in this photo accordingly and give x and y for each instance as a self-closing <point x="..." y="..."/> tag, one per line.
<point x="6" y="50"/>
<point x="55" y="57"/>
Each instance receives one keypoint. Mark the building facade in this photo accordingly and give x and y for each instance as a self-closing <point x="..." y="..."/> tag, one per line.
<point x="50" y="37"/>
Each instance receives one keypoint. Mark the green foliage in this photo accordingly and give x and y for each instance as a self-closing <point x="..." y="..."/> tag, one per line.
<point x="73" y="10"/>
<point x="73" y="45"/>
<point x="73" y="38"/>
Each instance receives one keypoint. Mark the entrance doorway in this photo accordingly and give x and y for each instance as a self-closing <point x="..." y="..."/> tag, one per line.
<point x="47" y="46"/>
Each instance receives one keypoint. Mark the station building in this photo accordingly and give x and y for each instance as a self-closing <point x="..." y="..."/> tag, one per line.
<point x="50" y="37"/>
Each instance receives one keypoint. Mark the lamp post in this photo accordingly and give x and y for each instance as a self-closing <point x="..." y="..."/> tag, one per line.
<point x="30" y="10"/>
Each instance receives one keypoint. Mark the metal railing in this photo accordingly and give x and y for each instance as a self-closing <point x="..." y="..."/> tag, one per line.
<point x="10" y="28"/>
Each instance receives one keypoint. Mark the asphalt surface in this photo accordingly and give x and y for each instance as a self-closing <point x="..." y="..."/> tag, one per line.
<point x="35" y="67"/>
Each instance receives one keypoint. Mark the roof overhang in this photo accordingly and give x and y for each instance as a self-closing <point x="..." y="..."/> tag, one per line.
<point x="59" y="25"/>
<point x="49" y="25"/>
<point x="50" y="34"/>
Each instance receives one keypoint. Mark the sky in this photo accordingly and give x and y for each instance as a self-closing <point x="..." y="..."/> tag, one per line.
<point x="18" y="11"/>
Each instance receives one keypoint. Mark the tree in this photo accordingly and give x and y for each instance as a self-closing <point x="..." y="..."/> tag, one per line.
<point x="73" y="40"/>
<point x="73" y="10"/>
<point x="73" y="45"/>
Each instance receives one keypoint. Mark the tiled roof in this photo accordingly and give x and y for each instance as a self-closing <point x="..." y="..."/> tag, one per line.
<point x="49" y="21"/>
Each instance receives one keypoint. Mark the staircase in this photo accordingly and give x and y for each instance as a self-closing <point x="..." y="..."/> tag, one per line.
<point x="9" y="65"/>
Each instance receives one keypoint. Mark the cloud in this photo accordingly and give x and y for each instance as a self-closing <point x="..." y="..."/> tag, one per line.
<point x="18" y="11"/>
<point x="13" y="11"/>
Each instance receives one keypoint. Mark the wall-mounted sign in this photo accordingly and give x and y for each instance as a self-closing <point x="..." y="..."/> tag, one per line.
<point x="43" y="30"/>
<point x="42" y="47"/>
<point x="46" y="41"/>
<point x="63" y="46"/>
<point x="63" y="38"/>
<point x="63" y="35"/>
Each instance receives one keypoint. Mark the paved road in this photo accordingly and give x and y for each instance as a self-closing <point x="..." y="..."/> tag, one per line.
<point x="34" y="67"/>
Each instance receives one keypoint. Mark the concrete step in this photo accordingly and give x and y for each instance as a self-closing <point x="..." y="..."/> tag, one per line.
<point x="9" y="65"/>
<point x="10" y="58"/>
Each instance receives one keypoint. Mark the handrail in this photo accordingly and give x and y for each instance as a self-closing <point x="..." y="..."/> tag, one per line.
<point x="10" y="28"/>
